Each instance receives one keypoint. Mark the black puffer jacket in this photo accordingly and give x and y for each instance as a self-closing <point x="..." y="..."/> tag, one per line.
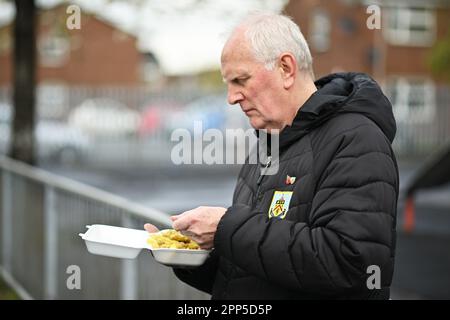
<point x="342" y="212"/>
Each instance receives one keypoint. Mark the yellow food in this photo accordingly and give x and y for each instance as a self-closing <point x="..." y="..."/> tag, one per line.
<point x="171" y="239"/>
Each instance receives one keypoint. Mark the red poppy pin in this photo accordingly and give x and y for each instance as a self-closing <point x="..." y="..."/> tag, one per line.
<point x="290" y="180"/>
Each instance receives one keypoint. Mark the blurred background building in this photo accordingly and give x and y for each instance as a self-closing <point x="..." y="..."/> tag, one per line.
<point x="109" y="60"/>
<point x="398" y="55"/>
<point x="110" y="94"/>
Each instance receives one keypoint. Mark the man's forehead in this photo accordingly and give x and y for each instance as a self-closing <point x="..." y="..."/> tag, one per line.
<point x="237" y="68"/>
<point x="233" y="53"/>
<point x="236" y="62"/>
<point x="237" y="47"/>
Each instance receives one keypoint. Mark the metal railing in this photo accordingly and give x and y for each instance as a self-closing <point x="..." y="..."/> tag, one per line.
<point x="419" y="132"/>
<point x="41" y="215"/>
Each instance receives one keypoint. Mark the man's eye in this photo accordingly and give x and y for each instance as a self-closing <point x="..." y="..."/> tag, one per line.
<point x="241" y="80"/>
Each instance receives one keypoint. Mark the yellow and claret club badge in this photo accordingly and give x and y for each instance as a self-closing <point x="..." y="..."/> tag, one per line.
<point x="280" y="204"/>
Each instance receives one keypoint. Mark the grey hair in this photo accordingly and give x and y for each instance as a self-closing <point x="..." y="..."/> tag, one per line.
<point x="271" y="34"/>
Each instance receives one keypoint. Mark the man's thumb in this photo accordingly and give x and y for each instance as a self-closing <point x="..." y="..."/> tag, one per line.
<point x="150" y="228"/>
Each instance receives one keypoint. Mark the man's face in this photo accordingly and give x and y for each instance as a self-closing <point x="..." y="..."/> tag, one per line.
<point x="257" y="90"/>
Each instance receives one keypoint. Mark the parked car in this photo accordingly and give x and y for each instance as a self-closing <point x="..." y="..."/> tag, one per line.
<point x="55" y="141"/>
<point x="212" y="111"/>
<point x="61" y="142"/>
<point x="105" y="118"/>
<point x="154" y="115"/>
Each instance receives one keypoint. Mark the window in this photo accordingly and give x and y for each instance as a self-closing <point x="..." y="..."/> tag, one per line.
<point x="53" y="51"/>
<point x="410" y="26"/>
<point x="320" y="31"/>
<point x="413" y="100"/>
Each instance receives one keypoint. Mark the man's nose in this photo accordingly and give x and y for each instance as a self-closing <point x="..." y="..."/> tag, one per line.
<point x="234" y="96"/>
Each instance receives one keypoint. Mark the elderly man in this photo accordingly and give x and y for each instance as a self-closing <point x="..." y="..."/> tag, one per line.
<point x="324" y="225"/>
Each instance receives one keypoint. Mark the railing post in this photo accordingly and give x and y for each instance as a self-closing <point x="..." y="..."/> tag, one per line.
<point x="128" y="277"/>
<point x="6" y="223"/>
<point x="51" y="244"/>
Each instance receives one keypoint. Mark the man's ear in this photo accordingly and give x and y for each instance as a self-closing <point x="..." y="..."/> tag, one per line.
<point x="288" y="68"/>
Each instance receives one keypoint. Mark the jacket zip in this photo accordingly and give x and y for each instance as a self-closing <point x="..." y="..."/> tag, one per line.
<point x="260" y="179"/>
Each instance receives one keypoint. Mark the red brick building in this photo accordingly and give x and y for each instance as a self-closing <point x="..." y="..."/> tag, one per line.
<point x="396" y="54"/>
<point x="98" y="54"/>
<point x="340" y="39"/>
<point x="97" y="60"/>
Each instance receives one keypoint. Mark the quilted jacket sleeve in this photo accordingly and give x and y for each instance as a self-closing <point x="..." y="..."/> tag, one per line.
<point x="202" y="277"/>
<point x="351" y="225"/>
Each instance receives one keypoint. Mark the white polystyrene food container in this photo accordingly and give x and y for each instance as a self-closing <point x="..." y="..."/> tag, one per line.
<point x="127" y="243"/>
<point x="179" y="257"/>
<point x="114" y="242"/>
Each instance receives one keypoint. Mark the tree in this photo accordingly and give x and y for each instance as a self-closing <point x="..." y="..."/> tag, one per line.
<point x="22" y="145"/>
<point x="440" y="58"/>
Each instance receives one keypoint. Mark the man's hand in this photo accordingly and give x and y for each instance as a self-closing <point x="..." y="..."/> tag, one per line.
<point x="200" y="224"/>
<point x="150" y="228"/>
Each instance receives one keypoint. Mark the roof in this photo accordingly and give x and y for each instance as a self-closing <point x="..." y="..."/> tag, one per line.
<point x="433" y="173"/>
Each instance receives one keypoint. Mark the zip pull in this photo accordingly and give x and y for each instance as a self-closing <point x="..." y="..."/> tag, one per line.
<point x="269" y="161"/>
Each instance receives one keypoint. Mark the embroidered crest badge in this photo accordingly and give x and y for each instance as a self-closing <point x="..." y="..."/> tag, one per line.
<point x="280" y="204"/>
